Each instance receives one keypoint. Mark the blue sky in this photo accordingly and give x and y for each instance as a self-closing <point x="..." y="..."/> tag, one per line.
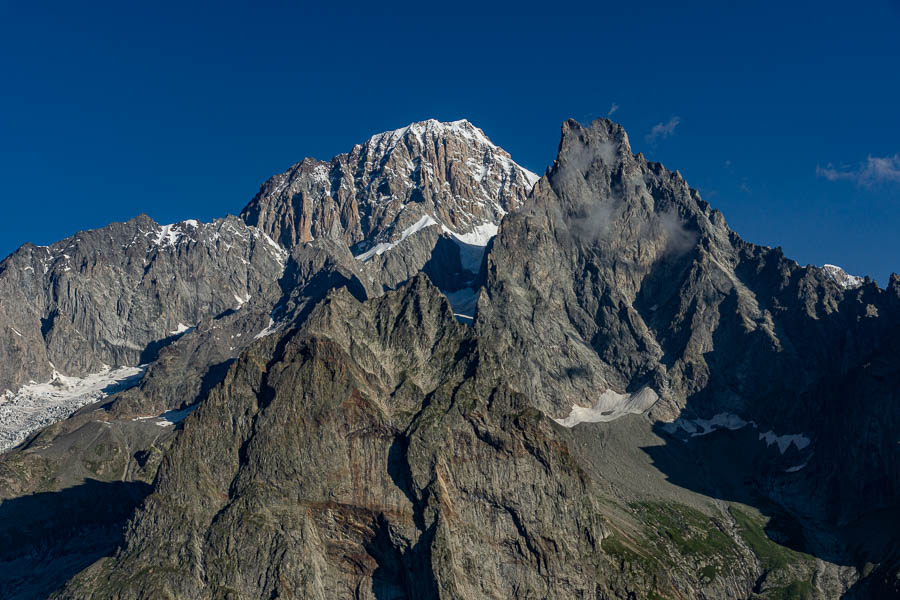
<point x="786" y="118"/>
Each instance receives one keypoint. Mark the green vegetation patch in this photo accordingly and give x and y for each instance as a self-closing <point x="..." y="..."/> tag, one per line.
<point x="797" y="590"/>
<point x="689" y="530"/>
<point x="709" y="572"/>
<point x="772" y="555"/>
<point x="615" y="546"/>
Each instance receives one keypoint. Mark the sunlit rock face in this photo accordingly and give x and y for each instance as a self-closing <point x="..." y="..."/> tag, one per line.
<point x="450" y="172"/>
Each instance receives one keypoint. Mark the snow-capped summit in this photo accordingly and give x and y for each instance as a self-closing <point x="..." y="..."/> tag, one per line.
<point x="843" y="279"/>
<point x="450" y="172"/>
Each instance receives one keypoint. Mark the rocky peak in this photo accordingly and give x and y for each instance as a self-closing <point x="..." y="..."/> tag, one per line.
<point x="608" y="141"/>
<point x="448" y="173"/>
<point x="631" y="280"/>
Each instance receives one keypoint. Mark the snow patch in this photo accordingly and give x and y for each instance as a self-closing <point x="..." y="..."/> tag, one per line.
<point x="181" y="328"/>
<point x="242" y="300"/>
<point x="463" y="303"/>
<point x="698" y="427"/>
<point x="610" y="406"/>
<point x="269" y="330"/>
<point x="280" y="253"/>
<point x="796" y="468"/>
<point x="784" y="441"/>
<point x="382" y="247"/>
<point x="472" y="245"/>
<point x="167" y="235"/>
<point x="479" y="236"/>
<point x="705" y="426"/>
<point x="170" y="417"/>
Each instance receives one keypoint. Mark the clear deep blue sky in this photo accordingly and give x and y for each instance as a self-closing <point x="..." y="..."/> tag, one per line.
<point x="785" y="117"/>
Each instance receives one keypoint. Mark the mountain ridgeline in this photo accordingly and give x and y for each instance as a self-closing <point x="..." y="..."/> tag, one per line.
<point x="419" y="370"/>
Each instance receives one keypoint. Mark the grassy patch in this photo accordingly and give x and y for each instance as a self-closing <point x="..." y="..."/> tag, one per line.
<point x="709" y="572"/>
<point x="772" y="556"/>
<point x="798" y="590"/>
<point x="689" y="530"/>
<point x="614" y="546"/>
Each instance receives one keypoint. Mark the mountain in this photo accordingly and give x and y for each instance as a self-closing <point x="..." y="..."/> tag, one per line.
<point x="449" y="171"/>
<point x="106" y="297"/>
<point x="448" y="179"/>
<point x="82" y="308"/>
<point x="419" y="371"/>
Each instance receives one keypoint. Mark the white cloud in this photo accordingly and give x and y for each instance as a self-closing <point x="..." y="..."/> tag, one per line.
<point x="881" y="169"/>
<point x="832" y="174"/>
<point x="873" y="171"/>
<point x="612" y="109"/>
<point x="663" y="130"/>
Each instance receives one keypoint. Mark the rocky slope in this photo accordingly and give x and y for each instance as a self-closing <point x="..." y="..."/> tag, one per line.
<point x="368" y="457"/>
<point x="644" y="405"/>
<point x="111" y="297"/>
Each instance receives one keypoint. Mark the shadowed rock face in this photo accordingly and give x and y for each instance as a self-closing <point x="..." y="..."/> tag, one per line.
<point x="645" y="405"/>
<point x="631" y="282"/>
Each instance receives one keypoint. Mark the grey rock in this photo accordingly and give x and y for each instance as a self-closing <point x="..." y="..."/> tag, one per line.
<point x="113" y="296"/>
<point x="288" y="502"/>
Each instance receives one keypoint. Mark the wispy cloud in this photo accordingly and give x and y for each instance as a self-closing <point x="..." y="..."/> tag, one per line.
<point x="873" y="171"/>
<point x="612" y="109"/>
<point x="663" y="130"/>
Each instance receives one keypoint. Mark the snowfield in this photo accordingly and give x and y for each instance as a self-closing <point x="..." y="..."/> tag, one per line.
<point x="170" y="417"/>
<point x="40" y="404"/>
<point x="610" y="406"/>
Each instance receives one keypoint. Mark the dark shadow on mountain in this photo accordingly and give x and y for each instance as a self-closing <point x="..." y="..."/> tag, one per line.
<point x="306" y="283"/>
<point x="444" y="268"/>
<point x="882" y="582"/>
<point x="833" y="378"/>
<point x="404" y="571"/>
<point x="212" y="377"/>
<point x="151" y="351"/>
<point x="736" y="466"/>
<point x="48" y="537"/>
<point x="226" y="313"/>
<point x="318" y="286"/>
<point x="123" y="384"/>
